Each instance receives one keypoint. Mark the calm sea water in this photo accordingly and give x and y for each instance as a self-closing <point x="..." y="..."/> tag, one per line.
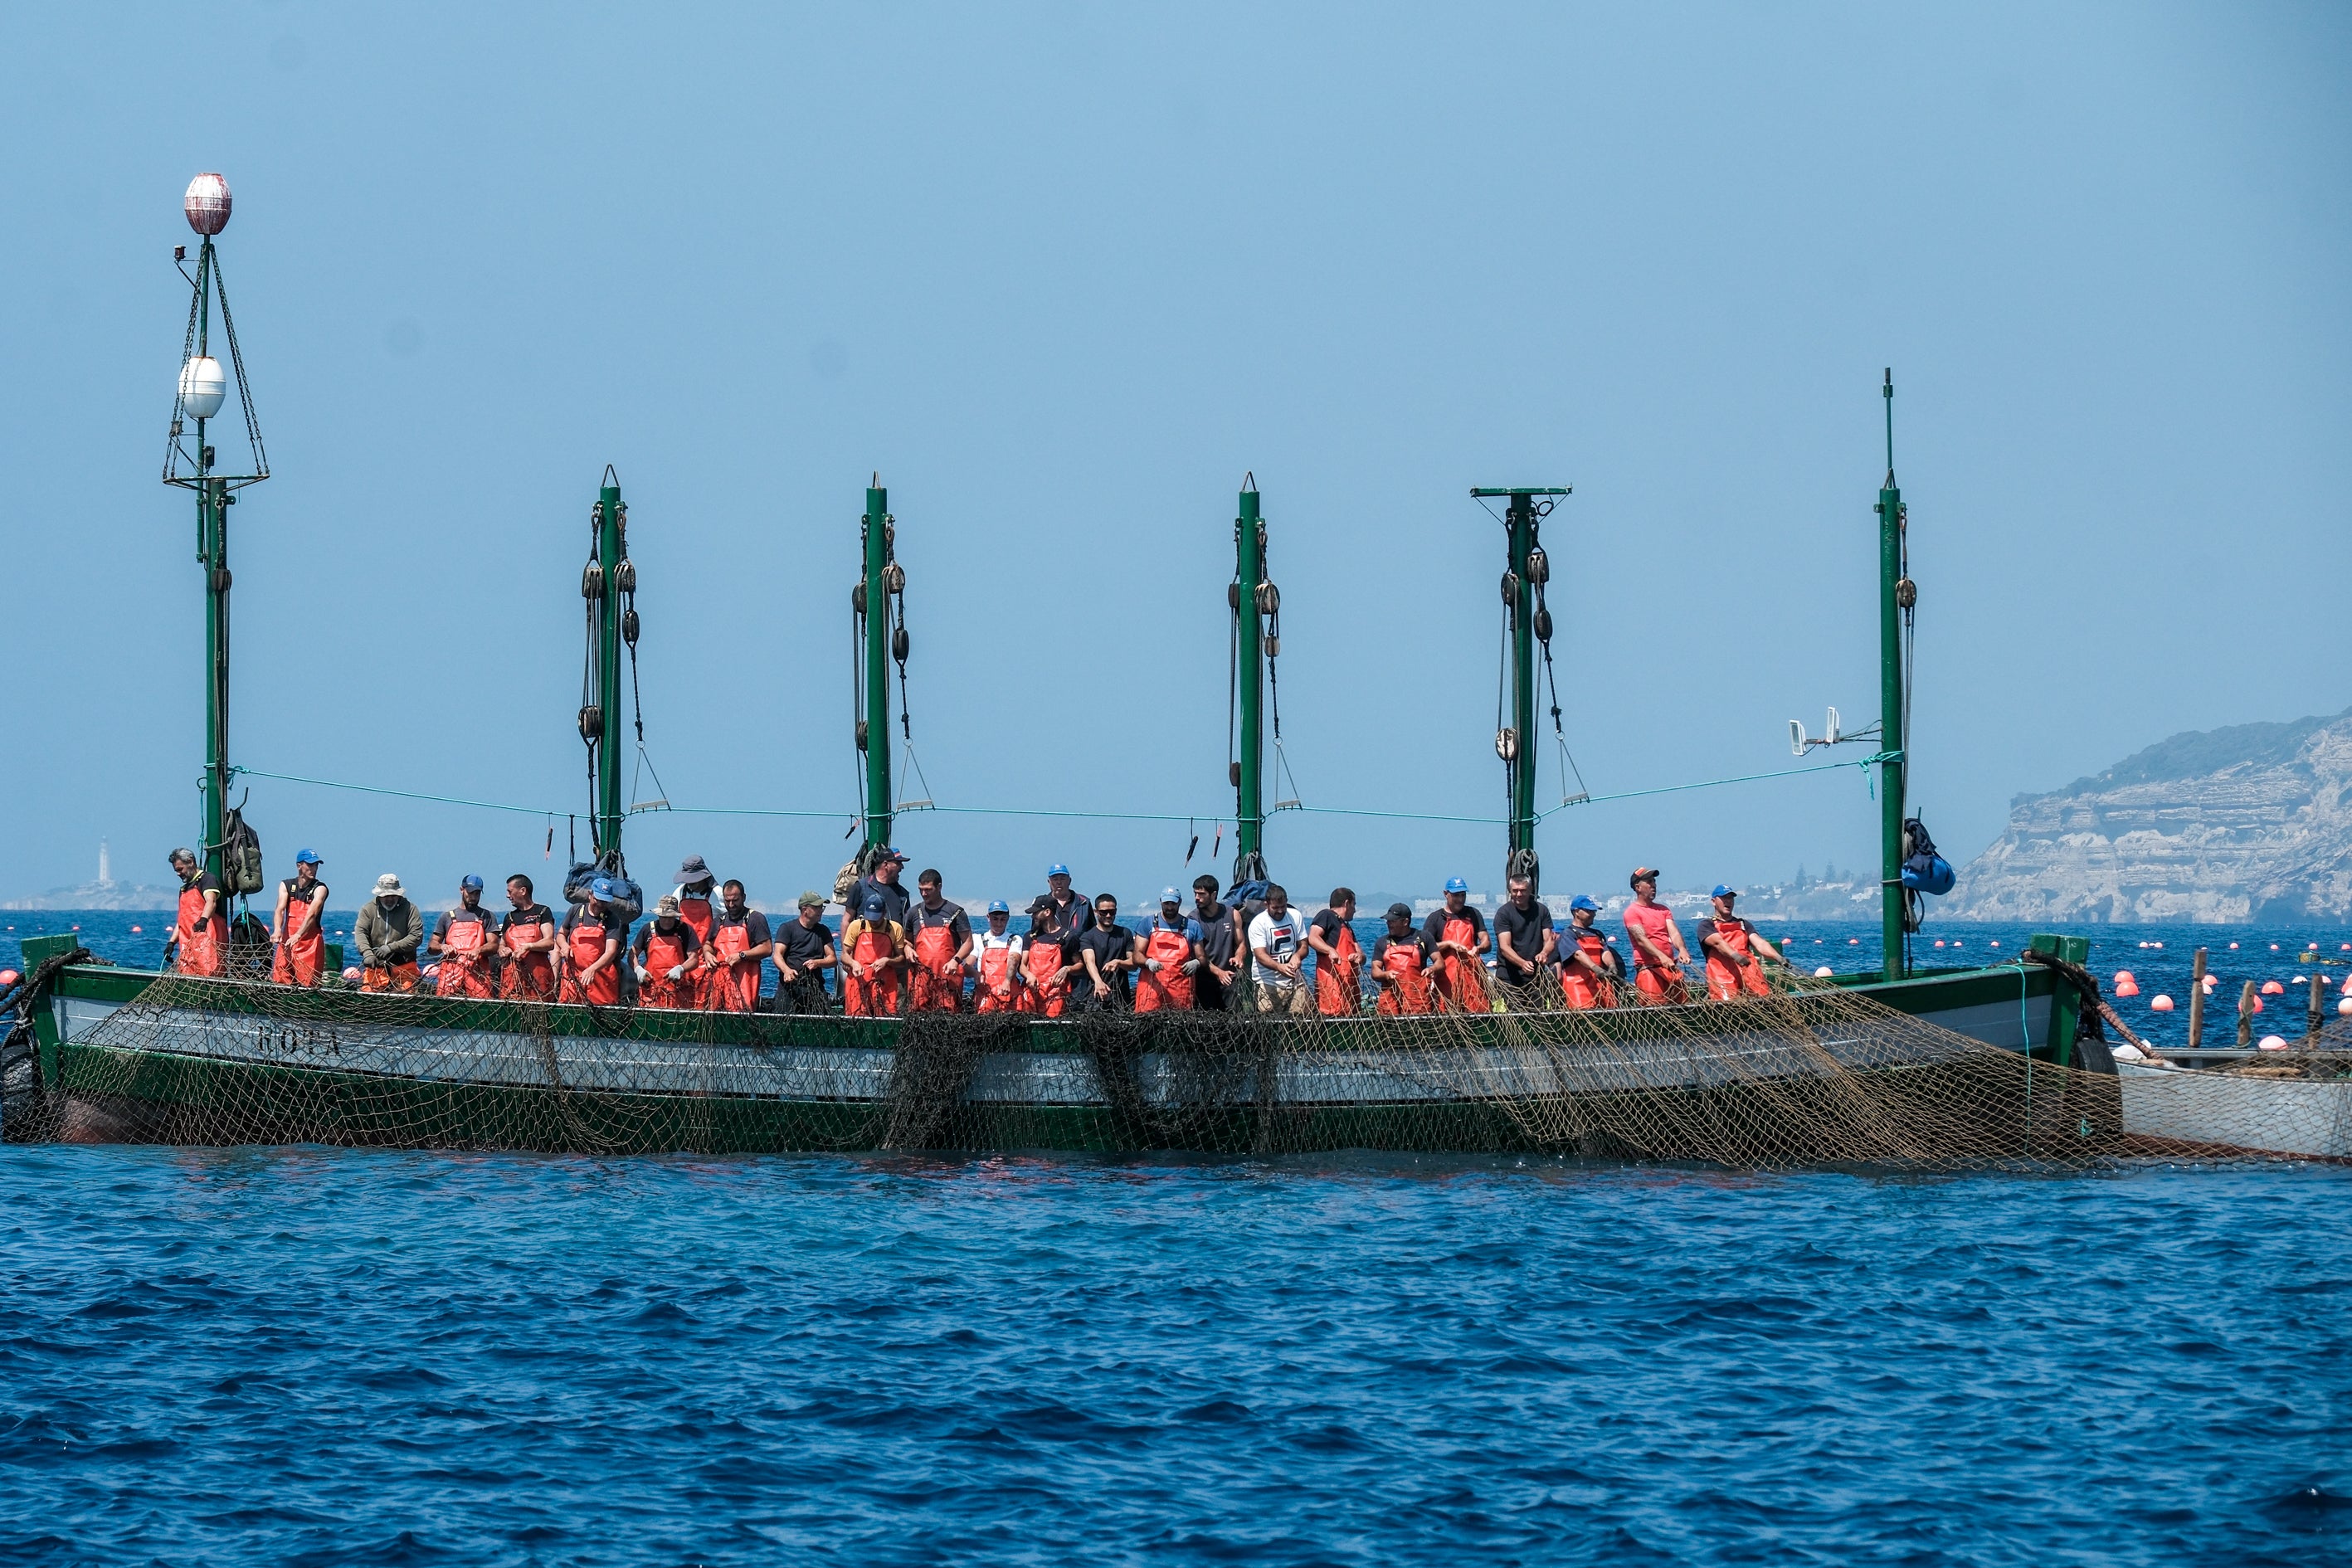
<point x="314" y="1356"/>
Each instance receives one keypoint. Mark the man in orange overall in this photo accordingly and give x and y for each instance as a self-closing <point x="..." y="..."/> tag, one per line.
<point x="1732" y="948"/>
<point x="1457" y="945"/>
<point x="941" y="934"/>
<point x="464" y="940"/>
<point x="526" y="944"/>
<point x="1171" y="958"/>
<point x="1588" y="966"/>
<point x="874" y="955"/>
<point x="667" y="954"/>
<point x="1400" y="965"/>
<point x="1659" y="954"/>
<point x="1339" y="959"/>
<point x="295" y="927"/>
<point x="199" y="932"/>
<point x="996" y="956"/>
<point x="740" y="943"/>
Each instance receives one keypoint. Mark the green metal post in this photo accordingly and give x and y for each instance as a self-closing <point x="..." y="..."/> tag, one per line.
<point x="212" y="550"/>
<point x="1894" y="731"/>
<point x="1520" y="764"/>
<point x="612" y="522"/>
<point x="1249" y="674"/>
<point x="874" y="724"/>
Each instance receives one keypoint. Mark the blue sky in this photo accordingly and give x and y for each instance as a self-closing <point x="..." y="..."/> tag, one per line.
<point x="1063" y="274"/>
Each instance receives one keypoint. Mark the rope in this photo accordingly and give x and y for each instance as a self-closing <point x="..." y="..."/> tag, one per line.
<point x="543" y="812"/>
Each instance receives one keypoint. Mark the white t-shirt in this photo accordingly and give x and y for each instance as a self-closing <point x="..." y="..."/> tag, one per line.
<point x="1281" y="938"/>
<point x="983" y="939"/>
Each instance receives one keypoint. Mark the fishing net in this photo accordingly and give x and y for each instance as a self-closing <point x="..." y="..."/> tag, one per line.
<point x="1812" y="1074"/>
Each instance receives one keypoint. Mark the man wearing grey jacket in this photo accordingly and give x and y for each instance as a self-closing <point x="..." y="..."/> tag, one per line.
<point x="386" y="933"/>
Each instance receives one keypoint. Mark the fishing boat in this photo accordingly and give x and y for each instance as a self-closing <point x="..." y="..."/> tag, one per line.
<point x="1908" y="1064"/>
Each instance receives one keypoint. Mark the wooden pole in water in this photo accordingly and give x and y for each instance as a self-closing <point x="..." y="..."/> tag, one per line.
<point x="2197" y="1000"/>
<point x="2311" y="1019"/>
<point x="2246" y="1017"/>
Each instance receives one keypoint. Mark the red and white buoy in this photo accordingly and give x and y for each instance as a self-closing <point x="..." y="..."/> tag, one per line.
<point x="2161" y="1003"/>
<point x="2273" y="988"/>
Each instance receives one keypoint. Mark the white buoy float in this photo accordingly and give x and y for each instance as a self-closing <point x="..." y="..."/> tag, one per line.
<point x="2160" y="1004"/>
<point x="2272" y="1043"/>
<point x="1824" y="972"/>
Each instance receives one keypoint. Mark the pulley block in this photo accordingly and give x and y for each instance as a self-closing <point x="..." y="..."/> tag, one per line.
<point x="861" y="734"/>
<point x="221" y="579"/>
<point x="1511" y="589"/>
<point x="592" y="580"/>
<point x="898" y="644"/>
<point x="893" y="578"/>
<point x="1539" y="565"/>
<point x="629" y="627"/>
<point x="1543" y="622"/>
<point x="857" y="598"/>
<point x="591" y="724"/>
<point x="1269" y="598"/>
<point x="1507" y="744"/>
<point x="625" y="576"/>
<point x="1234" y="772"/>
<point x="1273" y="646"/>
<point x="1907" y="593"/>
<point x="1234" y="597"/>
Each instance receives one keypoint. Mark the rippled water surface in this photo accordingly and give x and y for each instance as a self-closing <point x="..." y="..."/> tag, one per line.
<point x="309" y="1356"/>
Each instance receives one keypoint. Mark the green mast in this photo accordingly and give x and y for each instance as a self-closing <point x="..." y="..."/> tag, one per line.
<point x="612" y="555"/>
<point x="1527" y="621"/>
<point x="872" y="605"/>
<point x="1896" y="595"/>
<point x="1248" y="768"/>
<point x="202" y="390"/>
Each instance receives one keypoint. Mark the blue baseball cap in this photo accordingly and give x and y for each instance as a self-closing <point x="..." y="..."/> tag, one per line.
<point x="471" y="881"/>
<point x="601" y="888"/>
<point x="1057" y="870"/>
<point x="1723" y="892"/>
<point x="890" y="853"/>
<point x="875" y="907"/>
<point x="999" y="906"/>
<point x="1171" y="896"/>
<point x="308" y="858"/>
<point x="1456" y="885"/>
<point x="1582" y="902"/>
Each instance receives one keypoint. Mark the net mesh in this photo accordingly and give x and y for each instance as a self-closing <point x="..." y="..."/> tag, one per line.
<point x="1811" y="1074"/>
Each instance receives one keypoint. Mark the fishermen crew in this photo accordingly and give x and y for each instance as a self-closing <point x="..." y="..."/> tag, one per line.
<point x="1278" y="940"/>
<point x="1214" y="986"/>
<point x="667" y="953"/>
<point x="804" y="951"/>
<point x="874" y="952"/>
<point x="1524" y="944"/>
<point x="386" y="933"/>
<point x="462" y="940"/>
<point x="1049" y="961"/>
<point x="592" y="938"/>
<point x="1658" y="951"/>
<point x="941" y="933"/>
<point x="527" y="938"/>
<point x="1457" y="944"/>
<point x="1170" y="959"/>
<point x="1731" y="946"/>
<point x="296" y="926"/>
<point x="1107" y="949"/>
<point x="996" y="963"/>
<point x="696" y="886"/>
<point x="198" y="931"/>
<point x="1590" y="969"/>
<point x="1339" y="959"/>
<point x="738" y="944"/>
<point x="1401" y="960"/>
<point x="1070" y="908"/>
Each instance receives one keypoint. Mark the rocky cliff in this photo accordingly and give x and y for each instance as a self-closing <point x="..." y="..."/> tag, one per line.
<point x="2249" y="823"/>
